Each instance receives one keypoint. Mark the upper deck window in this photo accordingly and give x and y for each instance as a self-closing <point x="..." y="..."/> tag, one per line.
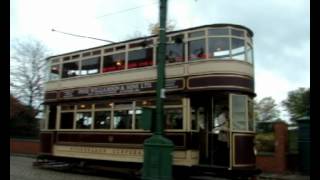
<point x="196" y="34"/>
<point x="90" y="66"/>
<point x="54" y="72"/>
<point x="113" y="62"/>
<point x="249" y="53"/>
<point x="238" y="49"/>
<point x="219" y="48"/>
<point x="175" y="53"/>
<point x="235" y="32"/>
<point x="140" y="58"/>
<point x="218" y="32"/>
<point x="70" y="69"/>
<point x="196" y="49"/>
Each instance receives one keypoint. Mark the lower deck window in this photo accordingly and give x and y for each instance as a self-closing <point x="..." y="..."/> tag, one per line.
<point x="102" y="119"/>
<point x="173" y="118"/>
<point x="66" y="121"/>
<point x="84" y="120"/>
<point x="122" y="119"/>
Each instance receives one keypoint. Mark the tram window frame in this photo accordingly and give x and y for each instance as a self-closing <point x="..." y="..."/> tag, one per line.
<point x="147" y="61"/>
<point x="200" y="56"/>
<point x="78" y="119"/>
<point x="243" y="113"/>
<point x="56" y="76"/>
<point x="177" y="57"/>
<point x="64" y="73"/>
<point x="234" y="53"/>
<point x="107" y="113"/>
<point x="118" y="62"/>
<point x="52" y="117"/>
<point x="128" y="117"/>
<point x="249" y="53"/>
<point x="96" y="64"/>
<point x="168" y="125"/>
<point x="61" y="120"/>
<point x="212" y="51"/>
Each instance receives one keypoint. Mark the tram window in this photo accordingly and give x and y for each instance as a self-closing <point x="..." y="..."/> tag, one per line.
<point x="70" y="69"/>
<point x="173" y="118"/>
<point x="138" y="113"/>
<point x="52" y="117"/>
<point x="250" y="116"/>
<point x="239" y="113"/>
<point x="218" y="32"/>
<point x="104" y="105"/>
<point x="55" y="72"/>
<point x="122" y="119"/>
<point x="172" y="102"/>
<point x="219" y="48"/>
<point x="102" y="119"/>
<point x="238" y="49"/>
<point x="196" y="49"/>
<point x="90" y="66"/>
<point x="196" y="34"/>
<point x="194" y="125"/>
<point x="235" y="32"/>
<point x="145" y="103"/>
<point x="113" y="62"/>
<point x="249" y="53"/>
<point x="67" y="107"/>
<point x="84" y="106"/>
<point x="83" y="120"/>
<point x="140" y="58"/>
<point x="66" y="121"/>
<point x="175" y="53"/>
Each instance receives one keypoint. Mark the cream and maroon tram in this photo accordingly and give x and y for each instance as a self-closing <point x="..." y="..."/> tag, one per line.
<point x="95" y="97"/>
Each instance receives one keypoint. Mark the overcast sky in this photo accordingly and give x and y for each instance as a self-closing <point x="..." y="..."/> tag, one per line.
<point x="281" y="30"/>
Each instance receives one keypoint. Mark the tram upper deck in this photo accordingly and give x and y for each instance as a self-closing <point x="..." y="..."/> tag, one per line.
<point x="199" y="55"/>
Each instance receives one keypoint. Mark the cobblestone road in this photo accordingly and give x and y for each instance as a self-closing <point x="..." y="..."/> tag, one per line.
<point x="21" y="169"/>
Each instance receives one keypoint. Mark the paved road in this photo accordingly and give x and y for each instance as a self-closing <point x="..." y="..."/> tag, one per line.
<point x="21" y="169"/>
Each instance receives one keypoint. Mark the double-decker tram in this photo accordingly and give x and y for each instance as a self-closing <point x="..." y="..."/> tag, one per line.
<point x="95" y="99"/>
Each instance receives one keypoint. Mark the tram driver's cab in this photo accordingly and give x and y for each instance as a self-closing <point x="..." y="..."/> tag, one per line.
<point x="225" y="125"/>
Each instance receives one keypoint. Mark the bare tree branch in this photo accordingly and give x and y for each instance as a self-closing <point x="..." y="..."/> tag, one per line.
<point x="28" y="71"/>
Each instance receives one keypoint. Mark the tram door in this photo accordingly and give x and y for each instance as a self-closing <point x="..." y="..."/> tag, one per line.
<point x="205" y="111"/>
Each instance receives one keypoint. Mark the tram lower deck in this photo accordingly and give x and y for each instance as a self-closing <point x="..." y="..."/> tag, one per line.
<point x="111" y="130"/>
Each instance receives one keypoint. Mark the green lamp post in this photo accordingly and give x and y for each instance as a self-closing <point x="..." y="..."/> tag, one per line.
<point x="157" y="164"/>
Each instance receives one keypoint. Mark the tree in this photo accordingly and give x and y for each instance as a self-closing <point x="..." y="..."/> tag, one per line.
<point x="154" y="27"/>
<point x="297" y="103"/>
<point x="28" y="72"/>
<point x="134" y="35"/>
<point x="22" y="121"/>
<point x="266" y="110"/>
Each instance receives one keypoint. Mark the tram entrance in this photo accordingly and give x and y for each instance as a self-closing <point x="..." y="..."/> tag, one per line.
<point x="211" y="113"/>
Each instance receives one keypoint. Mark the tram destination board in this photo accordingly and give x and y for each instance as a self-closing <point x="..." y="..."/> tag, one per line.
<point x="118" y="89"/>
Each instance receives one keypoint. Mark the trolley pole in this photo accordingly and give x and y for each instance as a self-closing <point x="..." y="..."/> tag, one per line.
<point x="157" y="164"/>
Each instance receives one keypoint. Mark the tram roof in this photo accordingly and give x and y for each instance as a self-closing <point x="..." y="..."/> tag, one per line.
<point x="171" y="32"/>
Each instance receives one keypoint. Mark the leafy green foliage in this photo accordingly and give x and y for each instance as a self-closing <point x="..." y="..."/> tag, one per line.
<point x="266" y="110"/>
<point x="297" y="103"/>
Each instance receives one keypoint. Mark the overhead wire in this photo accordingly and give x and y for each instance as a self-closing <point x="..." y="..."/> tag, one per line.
<point x="125" y="10"/>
